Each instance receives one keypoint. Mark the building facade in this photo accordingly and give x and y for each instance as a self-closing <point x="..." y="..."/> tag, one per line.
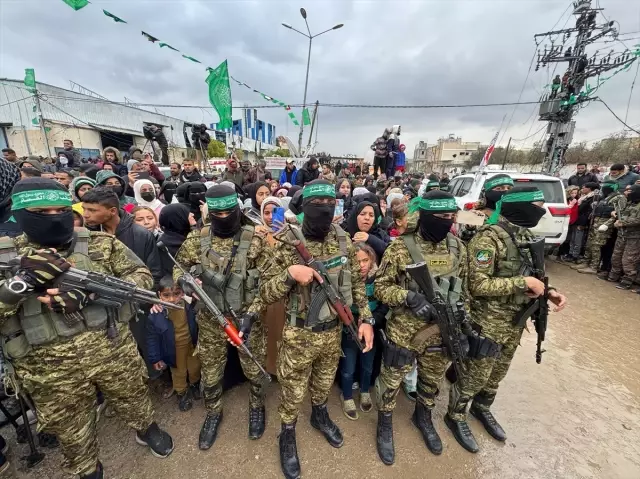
<point x="449" y="154"/>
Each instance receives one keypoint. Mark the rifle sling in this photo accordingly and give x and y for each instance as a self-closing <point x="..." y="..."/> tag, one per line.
<point x="423" y="334"/>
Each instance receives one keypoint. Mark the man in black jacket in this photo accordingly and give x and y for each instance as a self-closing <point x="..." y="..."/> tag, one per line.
<point x="308" y="173"/>
<point x="582" y="176"/>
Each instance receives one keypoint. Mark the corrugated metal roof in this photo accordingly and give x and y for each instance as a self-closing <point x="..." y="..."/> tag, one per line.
<point x="58" y="105"/>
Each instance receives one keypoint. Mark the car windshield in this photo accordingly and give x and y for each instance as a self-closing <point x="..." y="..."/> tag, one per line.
<point x="552" y="189"/>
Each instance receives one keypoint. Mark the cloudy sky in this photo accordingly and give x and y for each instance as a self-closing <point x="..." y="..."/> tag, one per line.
<point x="388" y="52"/>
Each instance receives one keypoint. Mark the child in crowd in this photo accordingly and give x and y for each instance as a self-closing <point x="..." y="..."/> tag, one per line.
<point x="146" y="217"/>
<point x="171" y="339"/>
<point x="400" y="216"/>
<point x="352" y="355"/>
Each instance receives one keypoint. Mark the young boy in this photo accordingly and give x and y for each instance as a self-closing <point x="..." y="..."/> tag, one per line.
<point x="171" y="339"/>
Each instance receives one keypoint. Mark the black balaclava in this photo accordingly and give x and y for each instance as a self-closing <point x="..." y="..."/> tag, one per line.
<point x="634" y="196"/>
<point x="194" y="195"/>
<point x="517" y="206"/>
<point x="167" y="191"/>
<point x="492" y="197"/>
<point x="252" y="190"/>
<point x="222" y="198"/>
<point x="432" y="228"/>
<point x="317" y="218"/>
<point x="182" y="193"/>
<point x="44" y="229"/>
<point x="295" y="205"/>
<point x="292" y="191"/>
<point x="608" y="187"/>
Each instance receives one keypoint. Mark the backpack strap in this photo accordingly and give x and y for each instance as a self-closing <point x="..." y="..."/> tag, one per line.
<point x="410" y="242"/>
<point x="243" y="245"/>
<point x="8" y="250"/>
<point x="342" y="240"/>
<point x="453" y="245"/>
<point x="82" y="241"/>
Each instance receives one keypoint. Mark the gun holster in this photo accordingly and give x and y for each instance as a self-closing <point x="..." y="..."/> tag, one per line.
<point x="481" y="347"/>
<point x="395" y="356"/>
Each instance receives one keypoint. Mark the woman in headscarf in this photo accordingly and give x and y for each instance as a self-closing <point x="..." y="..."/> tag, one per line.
<point x="145" y="194"/>
<point x="343" y="192"/>
<point x="363" y="226"/>
<point x="176" y="221"/>
<point x="257" y="192"/>
<point x="167" y="192"/>
<point x="292" y="191"/>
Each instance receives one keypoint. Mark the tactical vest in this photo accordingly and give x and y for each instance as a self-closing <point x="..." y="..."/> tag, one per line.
<point x="444" y="268"/>
<point x="37" y="325"/>
<point x="339" y="277"/>
<point x="605" y="207"/>
<point x="510" y="266"/>
<point x="230" y="275"/>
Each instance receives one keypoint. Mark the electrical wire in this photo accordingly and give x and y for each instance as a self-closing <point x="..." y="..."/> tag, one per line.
<point x="16" y="101"/>
<point x="529" y="136"/>
<point x="617" y="117"/>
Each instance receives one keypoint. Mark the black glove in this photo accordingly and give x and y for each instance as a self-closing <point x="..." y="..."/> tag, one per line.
<point x="464" y="344"/>
<point x="420" y="306"/>
<point x="246" y="323"/>
<point x="42" y="268"/>
<point x="68" y="302"/>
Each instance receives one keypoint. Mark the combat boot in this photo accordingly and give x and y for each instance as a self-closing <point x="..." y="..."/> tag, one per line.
<point x="195" y="391"/>
<point x="289" y="461"/>
<point x="209" y="430"/>
<point x="256" y="422"/>
<point x="480" y="410"/>
<point x="460" y="429"/>
<point x="321" y="421"/>
<point x="384" y="438"/>
<point x="159" y="441"/>
<point x="185" y="401"/>
<point x="97" y="474"/>
<point x="422" y="420"/>
<point x="624" y="284"/>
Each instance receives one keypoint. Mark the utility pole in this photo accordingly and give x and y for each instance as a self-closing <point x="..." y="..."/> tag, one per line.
<point x="567" y="94"/>
<point x="506" y="154"/>
<point x="313" y="124"/>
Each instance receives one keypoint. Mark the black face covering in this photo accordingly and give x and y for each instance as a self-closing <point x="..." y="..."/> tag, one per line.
<point x="492" y="197"/>
<point x="523" y="214"/>
<point x="118" y="190"/>
<point x="432" y="228"/>
<point x="317" y="220"/>
<point x="169" y="191"/>
<point x="228" y="226"/>
<point x="148" y="196"/>
<point x="44" y="229"/>
<point x="606" y="191"/>
<point x="634" y="196"/>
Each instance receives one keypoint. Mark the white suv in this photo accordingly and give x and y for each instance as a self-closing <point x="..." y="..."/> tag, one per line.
<point x="554" y="225"/>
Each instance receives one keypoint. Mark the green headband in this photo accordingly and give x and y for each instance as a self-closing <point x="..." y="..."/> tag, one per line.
<point x="39" y="199"/>
<point x="518" y="197"/>
<point x="223" y="203"/>
<point x="500" y="181"/>
<point x="436" y="205"/>
<point x="319" y="190"/>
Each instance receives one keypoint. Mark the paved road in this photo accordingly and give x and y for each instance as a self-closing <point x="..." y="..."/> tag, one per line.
<point x="577" y="415"/>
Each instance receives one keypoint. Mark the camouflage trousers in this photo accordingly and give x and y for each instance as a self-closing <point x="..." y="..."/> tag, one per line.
<point x="595" y="242"/>
<point x="63" y="380"/>
<point x="306" y="361"/>
<point x="482" y="379"/>
<point x="212" y="351"/>
<point x="625" y="259"/>
<point x="431" y="369"/>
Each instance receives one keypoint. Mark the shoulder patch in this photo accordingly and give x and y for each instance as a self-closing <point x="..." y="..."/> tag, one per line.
<point x="484" y="257"/>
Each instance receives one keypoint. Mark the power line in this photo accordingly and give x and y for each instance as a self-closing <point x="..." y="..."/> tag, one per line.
<point x="617" y="117"/>
<point x="16" y="101"/>
<point x="532" y="134"/>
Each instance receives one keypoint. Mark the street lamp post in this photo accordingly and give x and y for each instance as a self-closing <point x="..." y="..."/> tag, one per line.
<point x="303" y="13"/>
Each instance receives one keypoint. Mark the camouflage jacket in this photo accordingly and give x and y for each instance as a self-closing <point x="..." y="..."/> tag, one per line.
<point x="274" y="271"/>
<point x="108" y="256"/>
<point x="615" y="200"/>
<point x="403" y="324"/>
<point x="491" y="307"/>
<point x="190" y="254"/>
<point x="630" y="219"/>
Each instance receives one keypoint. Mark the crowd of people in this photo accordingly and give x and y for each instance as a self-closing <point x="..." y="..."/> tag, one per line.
<point x="240" y="232"/>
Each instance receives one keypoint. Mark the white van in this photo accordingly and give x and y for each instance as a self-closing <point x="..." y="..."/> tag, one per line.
<point x="554" y="225"/>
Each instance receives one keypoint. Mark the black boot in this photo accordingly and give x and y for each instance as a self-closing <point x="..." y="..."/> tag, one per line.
<point x="451" y="374"/>
<point x="159" y="441"/>
<point x="480" y="410"/>
<point x="384" y="438"/>
<point x="209" y="430"/>
<point x="422" y="420"/>
<point x="195" y="391"/>
<point x="256" y="422"/>
<point x="322" y="422"/>
<point x="289" y="452"/>
<point x="97" y="474"/>
<point x="460" y="429"/>
<point x="184" y="400"/>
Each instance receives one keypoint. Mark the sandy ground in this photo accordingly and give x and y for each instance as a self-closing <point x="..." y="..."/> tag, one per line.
<point x="577" y="415"/>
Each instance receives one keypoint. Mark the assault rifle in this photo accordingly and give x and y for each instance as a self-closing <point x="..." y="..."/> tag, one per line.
<point x="616" y="207"/>
<point x="449" y="321"/>
<point x="229" y="328"/>
<point x="325" y="292"/>
<point x="107" y="290"/>
<point x="538" y="308"/>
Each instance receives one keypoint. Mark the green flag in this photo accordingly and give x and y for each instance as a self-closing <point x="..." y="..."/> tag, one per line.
<point x="220" y="94"/>
<point x="115" y="19"/>
<point x="30" y="79"/>
<point x="191" y="58"/>
<point x="76" y="4"/>
<point x="305" y="117"/>
<point x="162" y="45"/>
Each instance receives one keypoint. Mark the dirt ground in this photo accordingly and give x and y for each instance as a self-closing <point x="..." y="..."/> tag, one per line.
<point x="576" y="415"/>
